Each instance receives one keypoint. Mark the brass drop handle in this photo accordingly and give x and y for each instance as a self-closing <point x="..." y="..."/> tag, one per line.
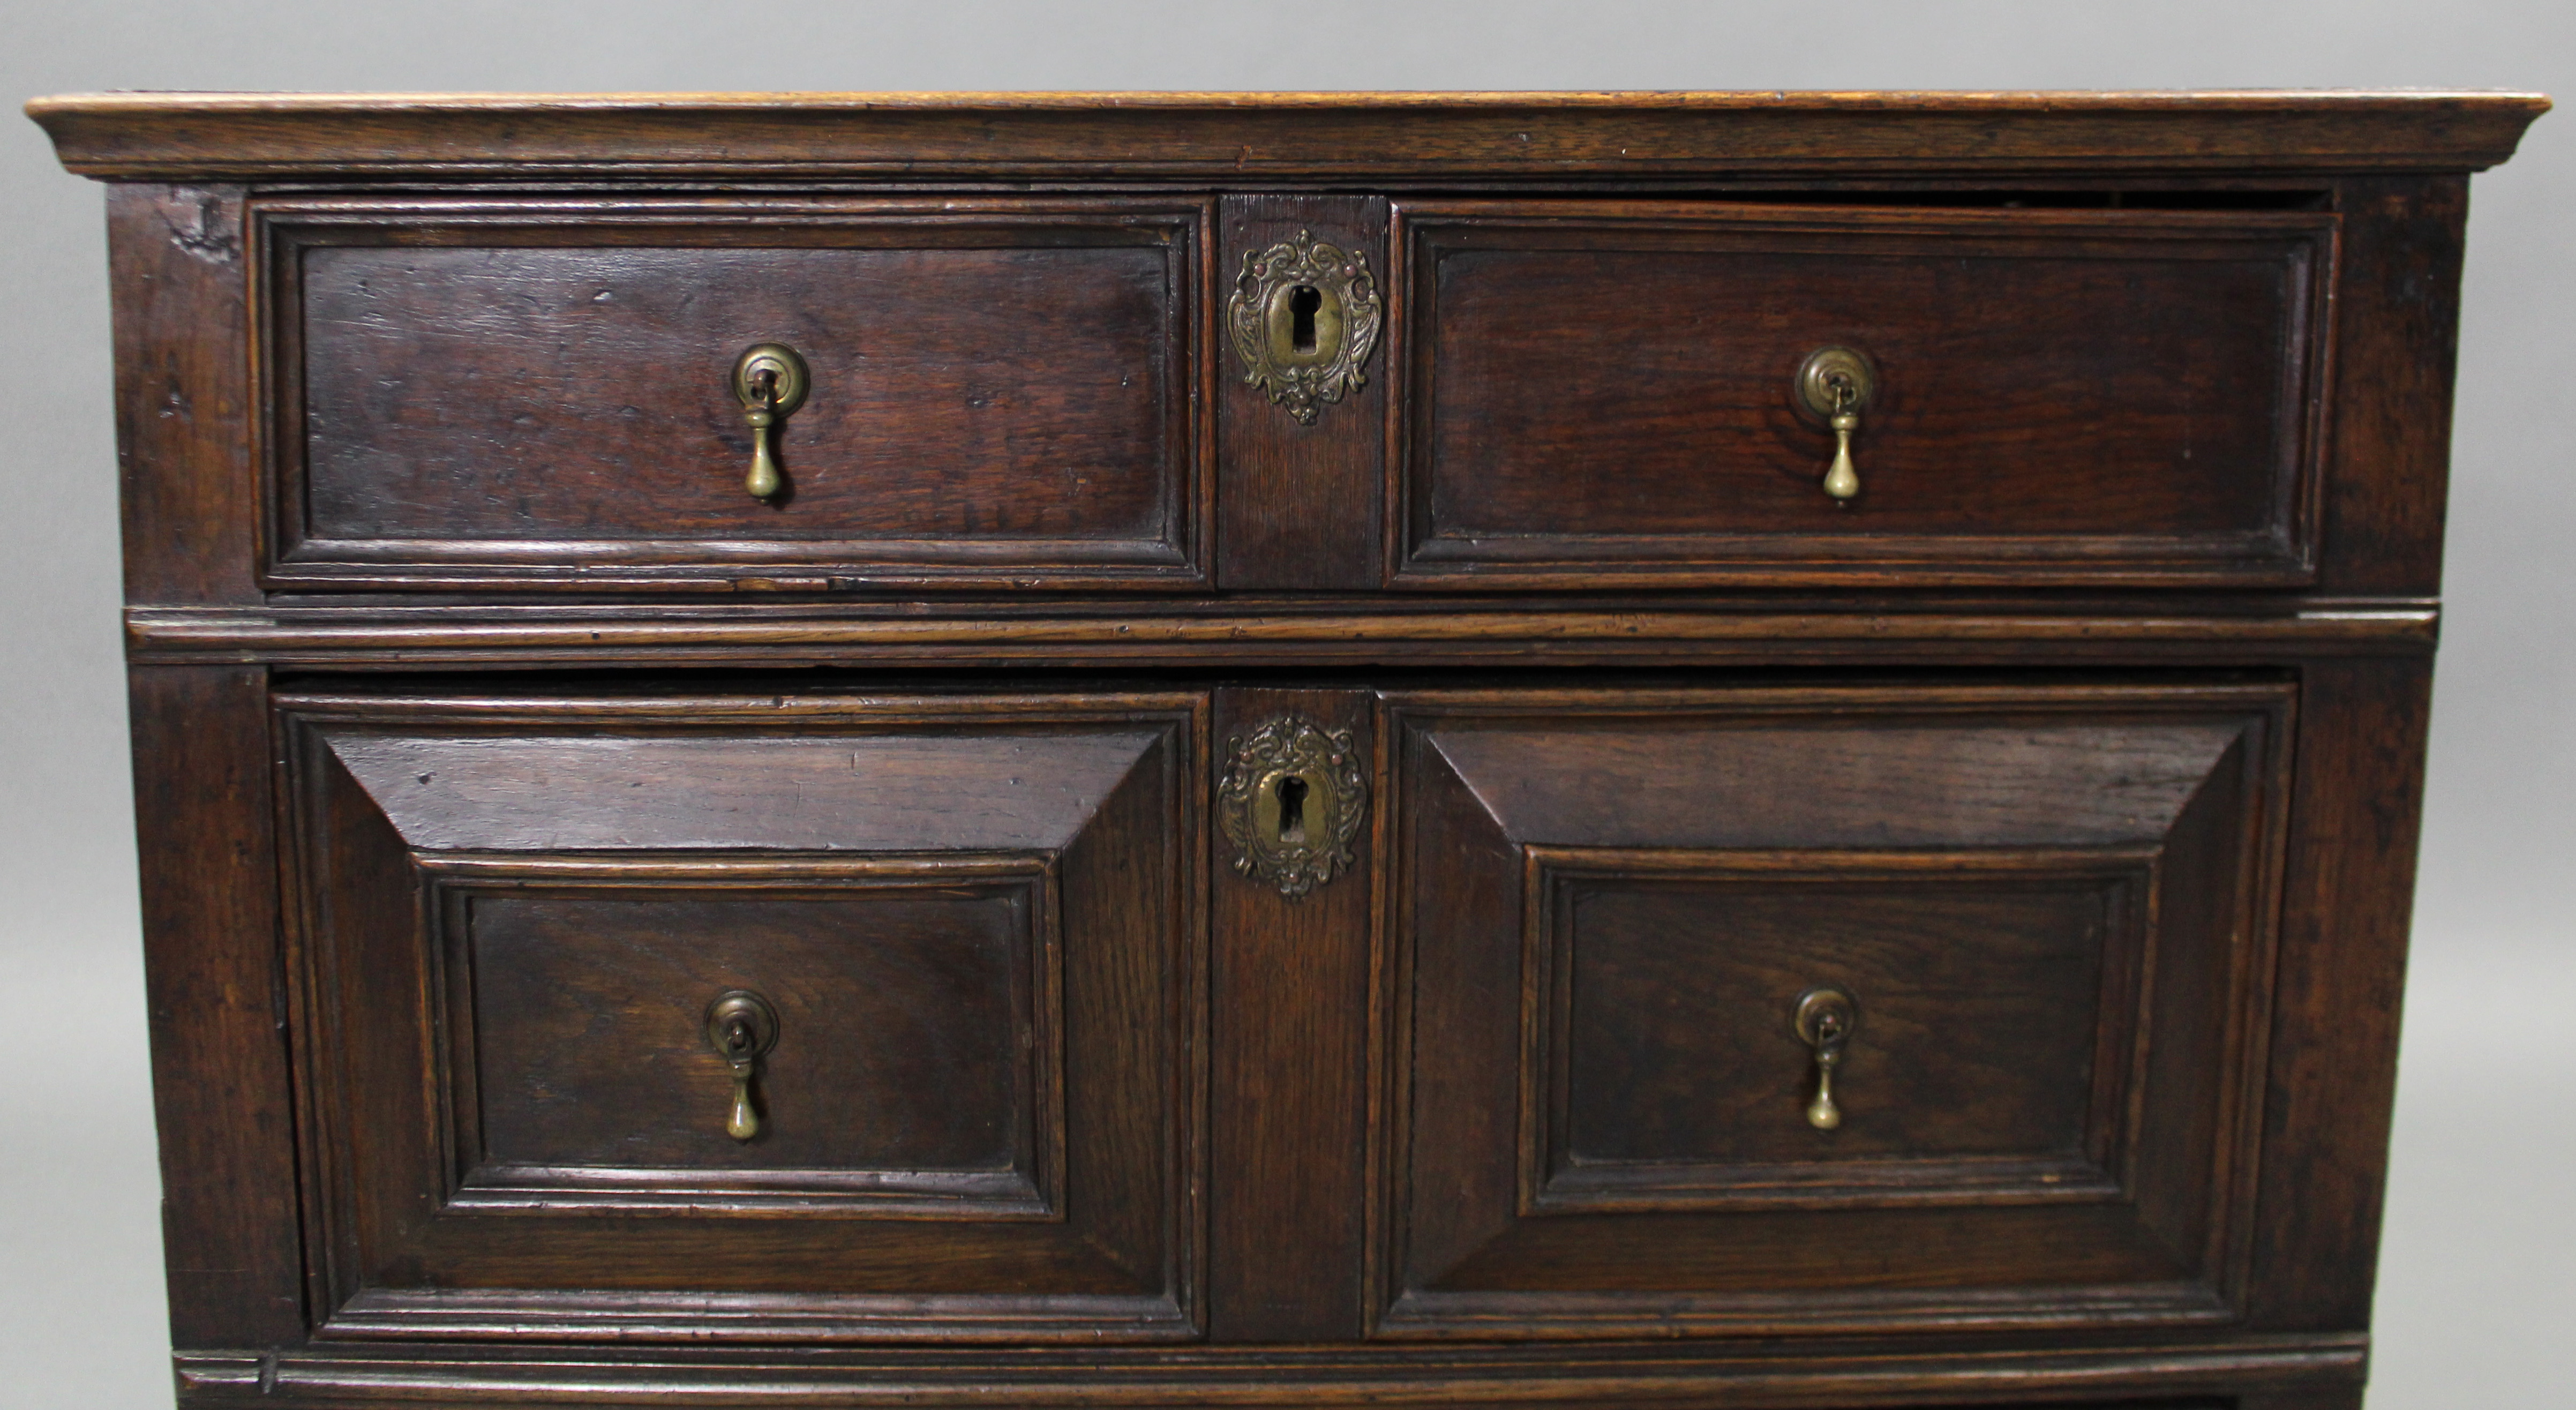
<point x="1842" y="478"/>
<point x="1835" y="384"/>
<point x="1825" y="1020"/>
<point x="742" y="1028"/>
<point x="769" y="379"/>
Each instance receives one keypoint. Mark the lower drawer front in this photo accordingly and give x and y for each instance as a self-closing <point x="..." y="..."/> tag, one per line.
<point x="834" y="1020"/>
<point x="833" y="1017"/>
<point x="2021" y="931"/>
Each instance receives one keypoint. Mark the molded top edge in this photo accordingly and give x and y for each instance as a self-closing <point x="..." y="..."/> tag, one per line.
<point x="1337" y="135"/>
<point x="2267" y="100"/>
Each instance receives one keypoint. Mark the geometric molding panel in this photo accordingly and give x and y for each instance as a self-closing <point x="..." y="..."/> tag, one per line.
<point x="2001" y="993"/>
<point x="2052" y="908"/>
<point x="973" y="921"/>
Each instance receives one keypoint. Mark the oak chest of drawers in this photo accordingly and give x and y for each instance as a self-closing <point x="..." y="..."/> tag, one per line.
<point x="1174" y="750"/>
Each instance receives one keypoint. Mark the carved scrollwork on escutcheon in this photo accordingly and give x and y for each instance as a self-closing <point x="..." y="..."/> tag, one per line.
<point x="1291" y="803"/>
<point x="1304" y="317"/>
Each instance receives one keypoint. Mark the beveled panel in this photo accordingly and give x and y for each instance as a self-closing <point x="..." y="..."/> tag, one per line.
<point x="1000" y="788"/>
<point x="978" y="1115"/>
<point x="1601" y="393"/>
<point x="540" y="392"/>
<point x="2050" y="904"/>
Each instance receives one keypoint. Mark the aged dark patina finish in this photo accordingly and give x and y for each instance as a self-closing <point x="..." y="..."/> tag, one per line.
<point x="1499" y="749"/>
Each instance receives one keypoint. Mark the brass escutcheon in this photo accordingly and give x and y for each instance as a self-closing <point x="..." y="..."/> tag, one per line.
<point x="1303" y="318"/>
<point x="1291" y="802"/>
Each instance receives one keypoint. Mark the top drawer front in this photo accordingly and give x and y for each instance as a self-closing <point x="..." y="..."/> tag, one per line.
<point x="540" y="393"/>
<point x="1604" y="394"/>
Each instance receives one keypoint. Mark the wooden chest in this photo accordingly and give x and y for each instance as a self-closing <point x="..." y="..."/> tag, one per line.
<point x="1655" y="749"/>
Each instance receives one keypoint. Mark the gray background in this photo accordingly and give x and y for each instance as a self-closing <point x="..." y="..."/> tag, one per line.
<point x="2475" y="1289"/>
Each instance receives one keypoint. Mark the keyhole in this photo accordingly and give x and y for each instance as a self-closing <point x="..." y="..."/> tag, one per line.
<point x="1302" y="303"/>
<point x="1292" y="809"/>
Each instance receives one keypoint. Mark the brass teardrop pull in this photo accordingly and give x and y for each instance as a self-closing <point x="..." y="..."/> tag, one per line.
<point x="1835" y="384"/>
<point x="742" y="1028"/>
<point x="741" y="1122"/>
<point x="769" y="379"/>
<point x="1824" y="1020"/>
<point x="762" y="412"/>
<point x="1842" y="478"/>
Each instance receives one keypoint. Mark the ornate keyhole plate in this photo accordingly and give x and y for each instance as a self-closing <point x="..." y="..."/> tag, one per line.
<point x="1291" y="802"/>
<point x="1304" y="317"/>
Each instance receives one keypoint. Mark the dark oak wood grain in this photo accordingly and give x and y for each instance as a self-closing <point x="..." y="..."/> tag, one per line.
<point x="184" y="404"/>
<point x="501" y="394"/>
<point x="1660" y="1040"/>
<point x="1273" y="634"/>
<point x="1604" y="392"/>
<point x="2192" y="1375"/>
<point x="2396" y="349"/>
<point x="917" y="1063"/>
<point x="979" y="1106"/>
<point x="1300" y="503"/>
<point x="2348" y="895"/>
<point x="217" y="990"/>
<point x="1288" y="1090"/>
<point x="2049" y="910"/>
<point x="485" y="730"/>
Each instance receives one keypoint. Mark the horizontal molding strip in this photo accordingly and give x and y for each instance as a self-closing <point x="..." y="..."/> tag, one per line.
<point x="337" y="636"/>
<point x="1380" y="1376"/>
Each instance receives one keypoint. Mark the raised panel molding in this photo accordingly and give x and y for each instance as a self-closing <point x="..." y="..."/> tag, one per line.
<point x="1597" y="393"/>
<point x="531" y="393"/>
<point x="2078" y="1073"/>
<point x="953" y="1022"/>
<point x="978" y="1121"/>
<point x="1597" y="1123"/>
